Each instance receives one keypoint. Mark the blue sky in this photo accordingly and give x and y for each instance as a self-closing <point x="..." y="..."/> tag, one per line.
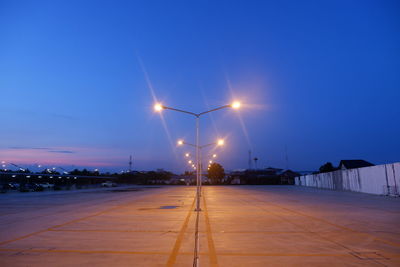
<point x="319" y="79"/>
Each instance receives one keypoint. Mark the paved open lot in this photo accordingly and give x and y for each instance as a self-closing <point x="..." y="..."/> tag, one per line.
<point x="239" y="226"/>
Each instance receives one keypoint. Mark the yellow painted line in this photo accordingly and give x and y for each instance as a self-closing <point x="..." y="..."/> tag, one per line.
<point x="174" y="253"/>
<point x="211" y="247"/>
<point x="386" y="255"/>
<point x="300" y="255"/>
<point x="89" y="216"/>
<point x="339" y="232"/>
<point x="284" y="255"/>
<point x="111" y="231"/>
<point x="85" y="251"/>
<point x="276" y="232"/>
<point x="22" y="237"/>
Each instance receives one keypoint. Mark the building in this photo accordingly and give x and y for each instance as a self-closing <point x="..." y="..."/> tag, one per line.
<point x="287" y="177"/>
<point x="271" y="176"/>
<point x="354" y="164"/>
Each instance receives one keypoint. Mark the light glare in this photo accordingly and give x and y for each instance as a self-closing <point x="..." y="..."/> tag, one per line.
<point x="158" y="107"/>
<point x="236" y="104"/>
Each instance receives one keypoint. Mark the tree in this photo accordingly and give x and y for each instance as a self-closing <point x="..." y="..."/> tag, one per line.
<point x="75" y="172"/>
<point x="216" y="173"/>
<point x="327" y="167"/>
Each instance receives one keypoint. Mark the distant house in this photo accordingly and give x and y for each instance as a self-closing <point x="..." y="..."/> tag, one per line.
<point x="272" y="171"/>
<point x="262" y="176"/>
<point x="177" y="179"/>
<point x="353" y="164"/>
<point x="236" y="176"/>
<point x="287" y="177"/>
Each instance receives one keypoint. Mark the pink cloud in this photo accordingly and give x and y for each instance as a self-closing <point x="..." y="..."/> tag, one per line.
<point x="81" y="156"/>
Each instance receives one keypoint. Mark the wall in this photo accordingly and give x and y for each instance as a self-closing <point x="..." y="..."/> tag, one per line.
<point x="380" y="180"/>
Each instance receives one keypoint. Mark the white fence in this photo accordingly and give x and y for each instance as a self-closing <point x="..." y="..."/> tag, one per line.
<point x="380" y="180"/>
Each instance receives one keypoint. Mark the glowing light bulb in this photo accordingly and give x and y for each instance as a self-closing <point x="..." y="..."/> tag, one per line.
<point x="158" y="107"/>
<point x="236" y="105"/>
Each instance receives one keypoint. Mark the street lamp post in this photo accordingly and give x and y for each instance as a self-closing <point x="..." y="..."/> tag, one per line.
<point x="159" y="107"/>
<point x="219" y="142"/>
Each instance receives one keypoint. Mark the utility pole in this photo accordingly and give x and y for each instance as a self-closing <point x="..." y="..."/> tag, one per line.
<point x="130" y="163"/>
<point x="249" y="162"/>
<point x="255" y="162"/>
<point x="287" y="158"/>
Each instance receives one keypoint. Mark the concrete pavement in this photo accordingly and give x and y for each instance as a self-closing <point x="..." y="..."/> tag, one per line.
<point x="239" y="226"/>
<point x="295" y="226"/>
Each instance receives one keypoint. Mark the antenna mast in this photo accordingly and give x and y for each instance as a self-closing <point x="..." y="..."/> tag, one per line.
<point x="287" y="158"/>
<point x="249" y="160"/>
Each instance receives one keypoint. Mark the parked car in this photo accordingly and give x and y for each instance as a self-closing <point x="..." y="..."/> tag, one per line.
<point x="6" y="187"/>
<point x="30" y="187"/>
<point x="47" y="185"/>
<point x="11" y="186"/>
<point x="109" y="184"/>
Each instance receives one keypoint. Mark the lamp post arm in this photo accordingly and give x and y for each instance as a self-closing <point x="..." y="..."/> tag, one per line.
<point x="183" y="111"/>
<point x="196" y="114"/>
<point x="189" y="144"/>
<point x="208" y="145"/>
<point x="215" y="109"/>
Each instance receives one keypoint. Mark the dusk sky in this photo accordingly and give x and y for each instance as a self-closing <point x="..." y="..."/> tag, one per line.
<point x="317" y="79"/>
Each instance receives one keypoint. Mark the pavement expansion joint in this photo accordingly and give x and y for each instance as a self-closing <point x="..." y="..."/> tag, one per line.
<point x="369" y="256"/>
